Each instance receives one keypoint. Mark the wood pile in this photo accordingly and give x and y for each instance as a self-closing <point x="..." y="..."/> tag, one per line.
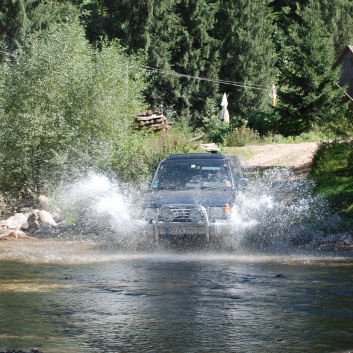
<point x="153" y="120"/>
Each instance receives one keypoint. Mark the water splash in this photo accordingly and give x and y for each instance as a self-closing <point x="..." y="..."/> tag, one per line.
<point x="276" y="207"/>
<point x="102" y="207"/>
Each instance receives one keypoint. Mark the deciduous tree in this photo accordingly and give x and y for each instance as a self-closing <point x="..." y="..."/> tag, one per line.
<point x="63" y="105"/>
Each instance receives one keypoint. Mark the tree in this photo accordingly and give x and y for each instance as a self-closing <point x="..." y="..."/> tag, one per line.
<point x="306" y="56"/>
<point x="247" y="54"/>
<point x="338" y="17"/>
<point x="175" y="37"/>
<point x="13" y="23"/>
<point x="63" y="106"/>
<point x="197" y="54"/>
<point x="20" y="17"/>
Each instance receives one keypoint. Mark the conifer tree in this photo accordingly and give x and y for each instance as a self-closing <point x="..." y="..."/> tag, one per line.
<point x="338" y="17"/>
<point x="161" y="40"/>
<point x="174" y="36"/>
<point x="13" y="23"/>
<point x="306" y="56"/>
<point x="247" y="53"/>
<point x="197" y="55"/>
<point x="20" y="17"/>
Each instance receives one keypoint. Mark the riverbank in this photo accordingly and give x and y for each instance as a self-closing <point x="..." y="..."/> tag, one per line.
<point x="288" y="164"/>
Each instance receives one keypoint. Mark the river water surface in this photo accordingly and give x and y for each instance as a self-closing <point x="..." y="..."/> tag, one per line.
<point x="81" y="296"/>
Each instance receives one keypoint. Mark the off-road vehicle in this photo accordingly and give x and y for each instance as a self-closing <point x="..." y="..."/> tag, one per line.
<point x="194" y="196"/>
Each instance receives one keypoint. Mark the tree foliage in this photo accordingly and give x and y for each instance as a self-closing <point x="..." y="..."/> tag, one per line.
<point x="305" y="58"/>
<point x="18" y="18"/>
<point x="247" y="54"/>
<point x="175" y="37"/>
<point x="69" y="94"/>
<point x="63" y="106"/>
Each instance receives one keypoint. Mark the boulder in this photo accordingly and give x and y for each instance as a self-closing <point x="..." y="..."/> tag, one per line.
<point x="46" y="218"/>
<point x="33" y="221"/>
<point x="16" y="221"/>
<point x="38" y="219"/>
<point x="3" y="225"/>
<point x="15" y="234"/>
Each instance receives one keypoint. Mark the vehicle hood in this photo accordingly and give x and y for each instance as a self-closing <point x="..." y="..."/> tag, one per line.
<point x="213" y="198"/>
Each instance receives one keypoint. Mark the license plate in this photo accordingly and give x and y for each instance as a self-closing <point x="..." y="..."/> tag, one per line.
<point x="184" y="231"/>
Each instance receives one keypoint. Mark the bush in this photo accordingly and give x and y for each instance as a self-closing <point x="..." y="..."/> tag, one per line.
<point x="136" y="157"/>
<point x="264" y="122"/>
<point x="332" y="173"/>
<point x="63" y="106"/>
<point x="241" y="136"/>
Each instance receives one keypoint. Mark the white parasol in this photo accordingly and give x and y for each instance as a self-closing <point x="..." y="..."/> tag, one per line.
<point x="224" y="114"/>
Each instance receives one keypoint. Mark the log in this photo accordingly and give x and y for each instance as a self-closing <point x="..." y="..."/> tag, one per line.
<point x="149" y="117"/>
<point x="157" y="127"/>
<point x="197" y="138"/>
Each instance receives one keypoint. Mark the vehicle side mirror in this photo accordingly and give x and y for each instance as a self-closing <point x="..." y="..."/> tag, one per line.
<point x="243" y="183"/>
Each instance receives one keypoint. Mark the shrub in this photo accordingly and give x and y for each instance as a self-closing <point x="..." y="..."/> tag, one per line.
<point x="241" y="136"/>
<point x="264" y="122"/>
<point x="332" y="173"/>
<point x="63" y="106"/>
<point x="136" y="156"/>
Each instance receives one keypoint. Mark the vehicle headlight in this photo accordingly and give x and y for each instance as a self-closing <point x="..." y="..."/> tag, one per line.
<point x="195" y="215"/>
<point x="220" y="212"/>
<point x="150" y="213"/>
<point x="166" y="214"/>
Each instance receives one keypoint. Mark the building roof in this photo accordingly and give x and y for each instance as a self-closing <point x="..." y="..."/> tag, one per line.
<point x="339" y="59"/>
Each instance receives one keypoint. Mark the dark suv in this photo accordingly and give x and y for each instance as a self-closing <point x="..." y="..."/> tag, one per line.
<point x="194" y="195"/>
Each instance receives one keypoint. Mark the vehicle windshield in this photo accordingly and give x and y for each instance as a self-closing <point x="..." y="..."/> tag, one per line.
<point x="191" y="175"/>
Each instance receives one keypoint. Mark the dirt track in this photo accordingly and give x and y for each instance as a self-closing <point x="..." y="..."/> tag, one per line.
<point x="297" y="156"/>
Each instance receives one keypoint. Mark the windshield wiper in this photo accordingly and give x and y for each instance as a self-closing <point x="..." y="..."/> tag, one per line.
<point x="169" y="188"/>
<point x="177" y="188"/>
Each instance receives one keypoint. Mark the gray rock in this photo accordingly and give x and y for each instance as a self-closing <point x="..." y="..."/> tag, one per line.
<point x="16" y="221"/>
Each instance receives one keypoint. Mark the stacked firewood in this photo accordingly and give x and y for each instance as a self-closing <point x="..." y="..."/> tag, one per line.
<point x="153" y="120"/>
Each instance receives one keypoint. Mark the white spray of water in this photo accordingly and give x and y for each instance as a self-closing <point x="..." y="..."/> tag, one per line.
<point x="276" y="206"/>
<point x="101" y="206"/>
<point x="269" y="210"/>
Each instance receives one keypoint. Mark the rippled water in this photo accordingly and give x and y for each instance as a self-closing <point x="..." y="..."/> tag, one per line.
<point x="63" y="296"/>
<point x="108" y="294"/>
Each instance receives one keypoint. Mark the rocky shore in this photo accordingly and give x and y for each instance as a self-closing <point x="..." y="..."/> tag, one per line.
<point x="38" y="223"/>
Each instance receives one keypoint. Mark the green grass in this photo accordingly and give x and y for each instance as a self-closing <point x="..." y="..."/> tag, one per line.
<point x="332" y="172"/>
<point x="238" y="151"/>
<point x="245" y="136"/>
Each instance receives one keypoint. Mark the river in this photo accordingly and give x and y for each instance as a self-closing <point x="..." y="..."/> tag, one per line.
<point x="89" y="296"/>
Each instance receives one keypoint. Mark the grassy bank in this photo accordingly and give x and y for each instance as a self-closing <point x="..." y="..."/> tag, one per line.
<point x="332" y="172"/>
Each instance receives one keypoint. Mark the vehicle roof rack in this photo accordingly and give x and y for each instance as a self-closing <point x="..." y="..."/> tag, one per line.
<point x="196" y="156"/>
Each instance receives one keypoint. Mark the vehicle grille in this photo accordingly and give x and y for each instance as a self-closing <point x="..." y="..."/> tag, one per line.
<point x="181" y="214"/>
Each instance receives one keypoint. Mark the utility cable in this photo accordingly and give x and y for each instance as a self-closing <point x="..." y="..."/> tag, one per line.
<point x="231" y="83"/>
<point x="174" y="73"/>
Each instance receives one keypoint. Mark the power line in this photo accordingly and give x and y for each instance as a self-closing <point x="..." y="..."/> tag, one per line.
<point x="230" y="83"/>
<point x="174" y="73"/>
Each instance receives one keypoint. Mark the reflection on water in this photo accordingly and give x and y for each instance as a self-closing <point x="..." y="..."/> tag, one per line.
<point x="64" y="296"/>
